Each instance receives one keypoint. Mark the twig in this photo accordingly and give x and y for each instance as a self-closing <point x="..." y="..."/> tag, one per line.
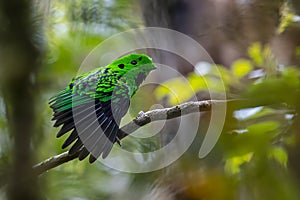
<point x="53" y="162"/>
<point x="142" y="119"/>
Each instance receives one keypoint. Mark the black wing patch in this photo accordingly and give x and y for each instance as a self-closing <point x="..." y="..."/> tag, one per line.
<point x="94" y="125"/>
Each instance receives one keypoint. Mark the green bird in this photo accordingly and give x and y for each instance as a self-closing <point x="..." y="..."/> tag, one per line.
<point x="93" y="104"/>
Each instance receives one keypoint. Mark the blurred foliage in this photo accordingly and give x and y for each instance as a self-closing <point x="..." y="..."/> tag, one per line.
<point x="252" y="155"/>
<point x="289" y="18"/>
<point x="260" y="126"/>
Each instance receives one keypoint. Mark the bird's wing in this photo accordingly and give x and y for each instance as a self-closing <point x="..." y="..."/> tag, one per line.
<point x="88" y="118"/>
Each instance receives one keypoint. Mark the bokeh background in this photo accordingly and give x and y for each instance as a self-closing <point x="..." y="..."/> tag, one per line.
<point x="255" y="45"/>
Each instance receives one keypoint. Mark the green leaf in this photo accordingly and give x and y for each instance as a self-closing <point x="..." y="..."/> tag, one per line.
<point x="291" y="76"/>
<point x="273" y="90"/>
<point x="264" y="127"/>
<point x="256" y="139"/>
<point x="207" y="83"/>
<point x="227" y="77"/>
<point x="287" y="18"/>
<point x="241" y="67"/>
<point x="285" y="22"/>
<point x="279" y="154"/>
<point x="233" y="165"/>
<point x="176" y="90"/>
<point x="197" y="82"/>
<point x="255" y="53"/>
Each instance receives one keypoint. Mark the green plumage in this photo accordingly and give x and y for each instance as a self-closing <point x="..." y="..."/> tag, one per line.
<point x="93" y="104"/>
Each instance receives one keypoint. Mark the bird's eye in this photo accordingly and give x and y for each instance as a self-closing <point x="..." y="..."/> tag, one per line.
<point x="133" y="62"/>
<point x="71" y="85"/>
<point x="121" y="66"/>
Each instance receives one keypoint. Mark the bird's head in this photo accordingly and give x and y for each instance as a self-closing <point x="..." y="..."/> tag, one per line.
<point x="133" y="62"/>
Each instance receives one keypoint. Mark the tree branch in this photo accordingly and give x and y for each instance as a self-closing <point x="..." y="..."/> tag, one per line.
<point x="53" y="162"/>
<point x="142" y="119"/>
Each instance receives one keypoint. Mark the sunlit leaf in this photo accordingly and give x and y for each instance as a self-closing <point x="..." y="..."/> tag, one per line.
<point x="255" y="53"/>
<point x="209" y="83"/>
<point x="233" y="164"/>
<point x="241" y="67"/>
<point x="286" y="21"/>
<point x="279" y="154"/>
<point x="176" y="90"/>
<point x="197" y="82"/>
<point x="287" y="18"/>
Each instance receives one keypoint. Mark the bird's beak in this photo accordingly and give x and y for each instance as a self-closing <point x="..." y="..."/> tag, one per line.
<point x="154" y="67"/>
